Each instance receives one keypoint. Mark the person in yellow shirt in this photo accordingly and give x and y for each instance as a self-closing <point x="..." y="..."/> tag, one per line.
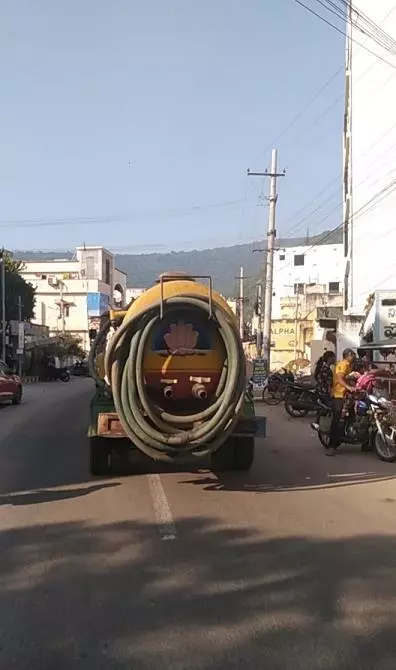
<point x="343" y="368"/>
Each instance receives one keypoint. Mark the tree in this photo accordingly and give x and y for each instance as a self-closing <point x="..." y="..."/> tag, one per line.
<point x="66" y="345"/>
<point x="15" y="287"/>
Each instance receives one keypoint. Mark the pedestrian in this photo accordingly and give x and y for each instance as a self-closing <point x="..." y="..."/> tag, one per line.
<point x="339" y="390"/>
<point x="324" y="381"/>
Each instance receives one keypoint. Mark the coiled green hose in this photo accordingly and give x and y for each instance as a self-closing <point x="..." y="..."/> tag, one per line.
<point x="159" y="434"/>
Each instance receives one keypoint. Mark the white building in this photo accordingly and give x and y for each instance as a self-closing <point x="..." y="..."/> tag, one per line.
<point x="369" y="160"/>
<point x="298" y="268"/>
<point x="71" y="295"/>
<point x="133" y="293"/>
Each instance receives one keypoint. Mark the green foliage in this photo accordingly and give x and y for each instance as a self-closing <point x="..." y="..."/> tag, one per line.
<point x="66" y="345"/>
<point x="16" y="286"/>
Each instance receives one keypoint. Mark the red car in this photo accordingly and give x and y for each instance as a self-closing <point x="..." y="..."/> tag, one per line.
<point x="10" y="385"/>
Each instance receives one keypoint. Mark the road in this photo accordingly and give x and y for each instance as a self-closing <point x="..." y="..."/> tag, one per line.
<point x="290" y="566"/>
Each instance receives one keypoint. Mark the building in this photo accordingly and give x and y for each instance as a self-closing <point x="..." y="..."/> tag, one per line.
<point x="133" y="293"/>
<point x="71" y="295"/>
<point x="369" y="161"/>
<point x="298" y="268"/>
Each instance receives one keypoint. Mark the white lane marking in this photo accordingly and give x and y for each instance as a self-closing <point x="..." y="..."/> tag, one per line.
<point x="161" y="508"/>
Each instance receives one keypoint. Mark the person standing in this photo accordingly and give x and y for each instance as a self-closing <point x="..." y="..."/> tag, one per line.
<point x="340" y="388"/>
<point x="324" y="381"/>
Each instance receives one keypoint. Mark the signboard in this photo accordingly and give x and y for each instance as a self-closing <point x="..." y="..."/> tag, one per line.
<point x="259" y="371"/>
<point x="385" y="321"/>
<point x="97" y="304"/>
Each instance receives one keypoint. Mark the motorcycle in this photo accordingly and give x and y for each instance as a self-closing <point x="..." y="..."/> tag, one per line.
<point x="276" y="386"/>
<point x="370" y="422"/>
<point x="300" y="399"/>
<point x="357" y="425"/>
<point x="384" y="417"/>
<point x="53" y="374"/>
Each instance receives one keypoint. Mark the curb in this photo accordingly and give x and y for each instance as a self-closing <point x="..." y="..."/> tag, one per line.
<point x="30" y="380"/>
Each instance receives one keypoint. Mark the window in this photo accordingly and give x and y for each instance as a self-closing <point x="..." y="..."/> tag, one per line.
<point x="67" y="310"/>
<point x="282" y="257"/>
<point x="107" y="272"/>
<point x="298" y="289"/>
<point x="43" y="276"/>
<point x="299" y="259"/>
<point x="334" y="287"/>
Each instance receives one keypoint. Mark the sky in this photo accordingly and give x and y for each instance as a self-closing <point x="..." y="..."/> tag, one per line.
<point x="132" y="124"/>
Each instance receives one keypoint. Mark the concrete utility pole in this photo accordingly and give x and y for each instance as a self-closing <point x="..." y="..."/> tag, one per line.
<point x="259" y="319"/>
<point x="271" y="235"/>
<point x="296" y="324"/>
<point x="21" y="336"/>
<point x="241" y="301"/>
<point x="3" y="305"/>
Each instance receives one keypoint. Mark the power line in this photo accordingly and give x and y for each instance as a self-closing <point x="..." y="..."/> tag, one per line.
<point x="294" y="120"/>
<point x="344" y="34"/>
<point x="70" y="221"/>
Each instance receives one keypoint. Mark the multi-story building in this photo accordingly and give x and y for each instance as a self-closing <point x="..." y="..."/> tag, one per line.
<point x="369" y="160"/>
<point x="298" y="268"/>
<point x="71" y="295"/>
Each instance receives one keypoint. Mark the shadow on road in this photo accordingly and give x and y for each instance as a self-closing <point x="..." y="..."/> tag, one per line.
<point x="115" y="596"/>
<point x="48" y="496"/>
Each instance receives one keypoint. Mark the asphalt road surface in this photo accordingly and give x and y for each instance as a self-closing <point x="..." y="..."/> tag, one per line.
<point x="290" y="566"/>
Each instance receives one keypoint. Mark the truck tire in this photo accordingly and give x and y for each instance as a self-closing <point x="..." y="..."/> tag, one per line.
<point x="100" y="455"/>
<point x="244" y="453"/>
<point x="223" y="458"/>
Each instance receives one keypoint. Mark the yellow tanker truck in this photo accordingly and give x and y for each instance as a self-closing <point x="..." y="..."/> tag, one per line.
<point x="170" y="378"/>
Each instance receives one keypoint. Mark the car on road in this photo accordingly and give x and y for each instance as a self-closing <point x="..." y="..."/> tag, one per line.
<point x="10" y="385"/>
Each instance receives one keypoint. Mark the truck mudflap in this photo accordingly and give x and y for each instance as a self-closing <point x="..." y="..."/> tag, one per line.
<point x="252" y="426"/>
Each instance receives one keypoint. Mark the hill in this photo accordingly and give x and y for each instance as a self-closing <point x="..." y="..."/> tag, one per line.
<point x="221" y="263"/>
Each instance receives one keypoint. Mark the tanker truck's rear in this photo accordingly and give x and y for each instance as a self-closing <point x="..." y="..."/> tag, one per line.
<point x="170" y="376"/>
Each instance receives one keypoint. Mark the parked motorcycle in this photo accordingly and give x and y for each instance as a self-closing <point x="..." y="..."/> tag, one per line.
<point x="384" y="417"/>
<point x="276" y="386"/>
<point x="300" y="399"/>
<point x="53" y="374"/>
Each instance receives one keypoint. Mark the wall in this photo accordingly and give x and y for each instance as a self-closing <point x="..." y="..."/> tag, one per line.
<point x="370" y="156"/>
<point x="348" y="334"/>
<point x="283" y="338"/>
<point x="308" y="302"/>
<point x="133" y="293"/>
<point x="322" y="264"/>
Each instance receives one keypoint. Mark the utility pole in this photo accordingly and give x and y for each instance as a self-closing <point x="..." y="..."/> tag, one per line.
<point x="3" y="305"/>
<point x="271" y="235"/>
<point x="296" y="337"/>
<point x="21" y="336"/>
<point x="241" y="307"/>
<point x="62" y="307"/>
<point x="259" y="319"/>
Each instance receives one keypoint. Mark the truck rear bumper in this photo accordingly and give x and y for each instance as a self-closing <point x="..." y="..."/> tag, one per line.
<point x="109" y="425"/>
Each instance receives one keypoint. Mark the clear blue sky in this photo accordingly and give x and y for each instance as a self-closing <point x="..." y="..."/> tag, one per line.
<point x="140" y="111"/>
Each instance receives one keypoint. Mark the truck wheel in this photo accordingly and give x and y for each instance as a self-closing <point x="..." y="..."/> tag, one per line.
<point x="243" y="453"/>
<point x="223" y="458"/>
<point x="100" y="456"/>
